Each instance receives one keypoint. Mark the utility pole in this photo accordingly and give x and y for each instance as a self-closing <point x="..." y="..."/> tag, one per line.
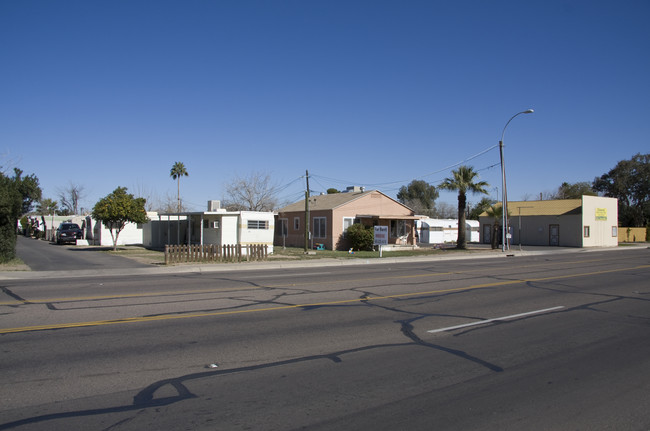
<point x="307" y="212"/>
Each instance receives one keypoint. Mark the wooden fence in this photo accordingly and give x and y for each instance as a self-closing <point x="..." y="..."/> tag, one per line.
<point x="632" y="234"/>
<point x="212" y="253"/>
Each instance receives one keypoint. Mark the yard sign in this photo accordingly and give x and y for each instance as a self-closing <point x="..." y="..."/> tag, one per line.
<point x="381" y="237"/>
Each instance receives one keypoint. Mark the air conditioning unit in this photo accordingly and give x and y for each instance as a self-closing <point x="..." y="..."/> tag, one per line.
<point x="214" y="206"/>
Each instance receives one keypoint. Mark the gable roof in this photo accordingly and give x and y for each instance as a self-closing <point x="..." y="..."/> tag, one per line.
<point x="331" y="201"/>
<point x="542" y="208"/>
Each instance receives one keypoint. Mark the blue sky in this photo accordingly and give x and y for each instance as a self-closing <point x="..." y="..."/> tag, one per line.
<point x="371" y="93"/>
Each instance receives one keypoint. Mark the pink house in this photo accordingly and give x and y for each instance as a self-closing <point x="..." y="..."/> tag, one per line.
<point x="330" y="216"/>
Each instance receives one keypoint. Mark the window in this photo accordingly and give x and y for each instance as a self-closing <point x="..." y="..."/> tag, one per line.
<point x="586" y="231"/>
<point x="258" y="224"/>
<point x="283" y="227"/>
<point x="347" y="222"/>
<point x="210" y="224"/>
<point x="614" y="231"/>
<point x="320" y="227"/>
<point x="296" y="223"/>
<point x="397" y="228"/>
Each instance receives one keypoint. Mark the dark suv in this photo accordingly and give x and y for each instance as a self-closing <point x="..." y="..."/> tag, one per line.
<point x="68" y="232"/>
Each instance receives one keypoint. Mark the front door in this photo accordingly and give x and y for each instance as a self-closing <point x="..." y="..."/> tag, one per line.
<point x="554" y="234"/>
<point x="487" y="234"/>
<point x="424" y="233"/>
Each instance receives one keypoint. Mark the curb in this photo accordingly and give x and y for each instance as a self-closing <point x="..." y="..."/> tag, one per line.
<point x="317" y="263"/>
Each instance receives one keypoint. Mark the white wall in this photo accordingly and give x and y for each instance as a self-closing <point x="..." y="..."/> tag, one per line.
<point x="229" y="230"/>
<point x="449" y="232"/>
<point x="257" y="236"/>
<point x="601" y="215"/>
<point x="132" y="234"/>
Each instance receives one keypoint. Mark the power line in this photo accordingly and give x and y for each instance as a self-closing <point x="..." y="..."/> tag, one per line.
<point x="346" y="182"/>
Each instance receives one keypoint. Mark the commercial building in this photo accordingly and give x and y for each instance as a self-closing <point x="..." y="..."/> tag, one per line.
<point x="591" y="221"/>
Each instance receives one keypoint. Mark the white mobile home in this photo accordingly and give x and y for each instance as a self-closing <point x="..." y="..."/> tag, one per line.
<point x="217" y="226"/>
<point x="98" y="234"/>
<point x="440" y="231"/>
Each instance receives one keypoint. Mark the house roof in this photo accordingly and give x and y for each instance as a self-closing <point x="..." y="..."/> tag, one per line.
<point x="328" y="202"/>
<point x="542" y="208"/>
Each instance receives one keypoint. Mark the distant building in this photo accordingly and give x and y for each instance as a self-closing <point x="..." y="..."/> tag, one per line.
<point x="591" y="221"/>
<point x="331" y="215"/>
<point x="441" y="231"/>
<point x="215" y="226"/>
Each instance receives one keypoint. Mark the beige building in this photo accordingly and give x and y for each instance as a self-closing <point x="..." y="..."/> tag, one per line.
<point x="330" y="216"/>
<point x="591" y="221"/>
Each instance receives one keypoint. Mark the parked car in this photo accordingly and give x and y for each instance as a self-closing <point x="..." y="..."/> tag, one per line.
<point x="68" y="232"/>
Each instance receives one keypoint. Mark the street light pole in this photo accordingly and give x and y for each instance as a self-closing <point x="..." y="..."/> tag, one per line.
<point x="504" y="202"/>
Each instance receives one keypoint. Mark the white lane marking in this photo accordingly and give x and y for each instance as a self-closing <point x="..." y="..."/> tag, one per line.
<point x="482" y="322"/>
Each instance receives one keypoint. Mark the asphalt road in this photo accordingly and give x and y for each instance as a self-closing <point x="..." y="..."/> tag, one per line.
<point x="45" y="256"/>
<point x="538" y="343"/>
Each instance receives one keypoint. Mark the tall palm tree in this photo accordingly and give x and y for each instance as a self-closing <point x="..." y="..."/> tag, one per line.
<point x="463" y="180"/>
<point x="178" y="171"/>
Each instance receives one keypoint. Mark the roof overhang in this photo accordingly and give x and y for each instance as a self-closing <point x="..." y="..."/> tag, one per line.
<point x="388" y="217"/>
<point x="198" y="213"/>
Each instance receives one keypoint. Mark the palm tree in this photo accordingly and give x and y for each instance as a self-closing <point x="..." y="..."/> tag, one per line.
<point x="178" y="171"/>
<point x="463" y="180"/>
<point x="496" y="212"/>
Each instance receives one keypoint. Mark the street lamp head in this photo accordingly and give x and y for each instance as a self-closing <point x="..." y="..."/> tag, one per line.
<point x="528" y="111"/>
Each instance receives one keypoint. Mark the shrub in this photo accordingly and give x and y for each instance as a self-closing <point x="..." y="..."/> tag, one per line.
<point x="361" y="237"/>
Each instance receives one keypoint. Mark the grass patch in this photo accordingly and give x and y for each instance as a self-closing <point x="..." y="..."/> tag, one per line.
<point x="291" y="253"/>
<point x="138" y="253"/>
<point x="15" y="264"/>
<point x="157" y="257"/>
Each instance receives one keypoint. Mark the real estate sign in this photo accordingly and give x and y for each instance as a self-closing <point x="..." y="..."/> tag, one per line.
<point x="381" y="235"/>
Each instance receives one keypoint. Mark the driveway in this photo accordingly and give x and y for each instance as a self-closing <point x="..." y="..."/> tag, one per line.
<point x="44" y="256"/>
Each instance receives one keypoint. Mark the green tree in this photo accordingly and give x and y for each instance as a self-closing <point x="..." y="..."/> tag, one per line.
<point x="17" y="196"/>
<point x="629" y="182"/>
<point x="361" y="237"/>
<point x="117" y="209"/>
<point x="478" y="209"/>
<point x="463" y="180"/>
<point x="332" y="191"/>
<point x="178" y="171"/>
<point x="419" y="196"/>
<point x="47" y="206"/>
<point x="574" y="191"/>
<point x="28" y="188"/>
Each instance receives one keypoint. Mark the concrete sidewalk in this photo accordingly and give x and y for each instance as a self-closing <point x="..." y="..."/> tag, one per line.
<point x="474" y="253"/>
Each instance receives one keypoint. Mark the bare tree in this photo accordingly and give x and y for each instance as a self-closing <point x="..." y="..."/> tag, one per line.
<point x="167" y="204"/>
<point x="69" y="198"/>
<point x="255" y="192"/>
<point x="150" y="196"/>
<point x="445" y="210"/>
